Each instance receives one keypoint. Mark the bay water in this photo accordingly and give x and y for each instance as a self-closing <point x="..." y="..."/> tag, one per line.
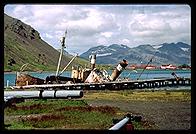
<point x="10" y="77"/>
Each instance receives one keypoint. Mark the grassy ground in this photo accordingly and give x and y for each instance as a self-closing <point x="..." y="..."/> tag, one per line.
<point x="132" y="95"/>
<point x="60" y="114"/>
<point x="94" y="111"/>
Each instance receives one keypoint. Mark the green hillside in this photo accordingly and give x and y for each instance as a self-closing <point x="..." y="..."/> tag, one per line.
<point x="23" y="44"/>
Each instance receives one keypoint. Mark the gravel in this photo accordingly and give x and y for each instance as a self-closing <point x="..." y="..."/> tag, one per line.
<point x="169" y="115"/>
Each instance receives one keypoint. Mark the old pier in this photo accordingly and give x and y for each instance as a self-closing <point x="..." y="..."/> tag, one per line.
<point x="115" y="85"/>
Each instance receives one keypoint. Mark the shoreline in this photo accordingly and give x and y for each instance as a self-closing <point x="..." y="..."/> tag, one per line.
<point x="12" y="72"/>
<point x="7" y="72"/>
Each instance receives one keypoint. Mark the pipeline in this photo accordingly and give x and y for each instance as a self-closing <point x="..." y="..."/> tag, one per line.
<point x="53" y="94"/>
<point x="120" y="124"/>
<point x="118" y="70"/>
<point x="126" y="123"/>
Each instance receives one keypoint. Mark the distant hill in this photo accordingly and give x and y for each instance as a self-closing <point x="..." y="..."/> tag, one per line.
<point x="174" y="53"/>
<point x="23" y="44"/>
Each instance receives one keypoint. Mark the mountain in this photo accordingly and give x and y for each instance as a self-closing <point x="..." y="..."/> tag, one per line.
<point x="23" y="44"/>
<point x="166" y="53"/>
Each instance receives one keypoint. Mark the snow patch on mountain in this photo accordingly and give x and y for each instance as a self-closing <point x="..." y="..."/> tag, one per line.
<point x="106" y="54"/>
<point x="98" y="51"/>
<point x="185" y="49"/>
<point x="112" y="49"/>
<point x="157" y="46"/>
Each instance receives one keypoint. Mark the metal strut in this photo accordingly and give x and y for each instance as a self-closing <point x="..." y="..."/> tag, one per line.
<point x="68" y="64"/>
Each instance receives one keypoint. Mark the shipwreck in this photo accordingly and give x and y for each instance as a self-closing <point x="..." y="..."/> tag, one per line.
<point x="78" y="75"/>
<point x="93" y="78"/>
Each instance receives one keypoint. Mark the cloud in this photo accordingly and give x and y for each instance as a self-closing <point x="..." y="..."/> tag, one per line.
<point x="102" y="41"/>
<point x="125" y="41"/>
<point x="107" y="34"/>
<point x="92" y="25"/>
<point x="48" y="36"/>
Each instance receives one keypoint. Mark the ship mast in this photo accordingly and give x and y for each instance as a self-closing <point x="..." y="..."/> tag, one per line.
<point x="147" y="65"/>
<point x="61" y="53"/>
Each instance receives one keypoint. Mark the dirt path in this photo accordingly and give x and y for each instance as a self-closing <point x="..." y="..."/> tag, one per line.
<point x="171" y="115"/>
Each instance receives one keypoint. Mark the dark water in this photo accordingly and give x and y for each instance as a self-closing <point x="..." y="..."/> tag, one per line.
<point x="147" y="74"/>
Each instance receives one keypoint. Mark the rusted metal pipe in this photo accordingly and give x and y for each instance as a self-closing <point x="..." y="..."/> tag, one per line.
<point x="118" y="70"/>
<point x="93" y="60"/>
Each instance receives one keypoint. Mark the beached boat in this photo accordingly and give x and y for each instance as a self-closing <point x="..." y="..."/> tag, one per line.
<point x="23" y="79"/>
<point x="87" y="75"/>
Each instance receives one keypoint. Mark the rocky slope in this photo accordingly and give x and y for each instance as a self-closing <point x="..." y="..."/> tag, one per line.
<point x="23" y="44"/>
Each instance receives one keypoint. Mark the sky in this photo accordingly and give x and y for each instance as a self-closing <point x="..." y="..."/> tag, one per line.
<point x="92" y="25"/>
